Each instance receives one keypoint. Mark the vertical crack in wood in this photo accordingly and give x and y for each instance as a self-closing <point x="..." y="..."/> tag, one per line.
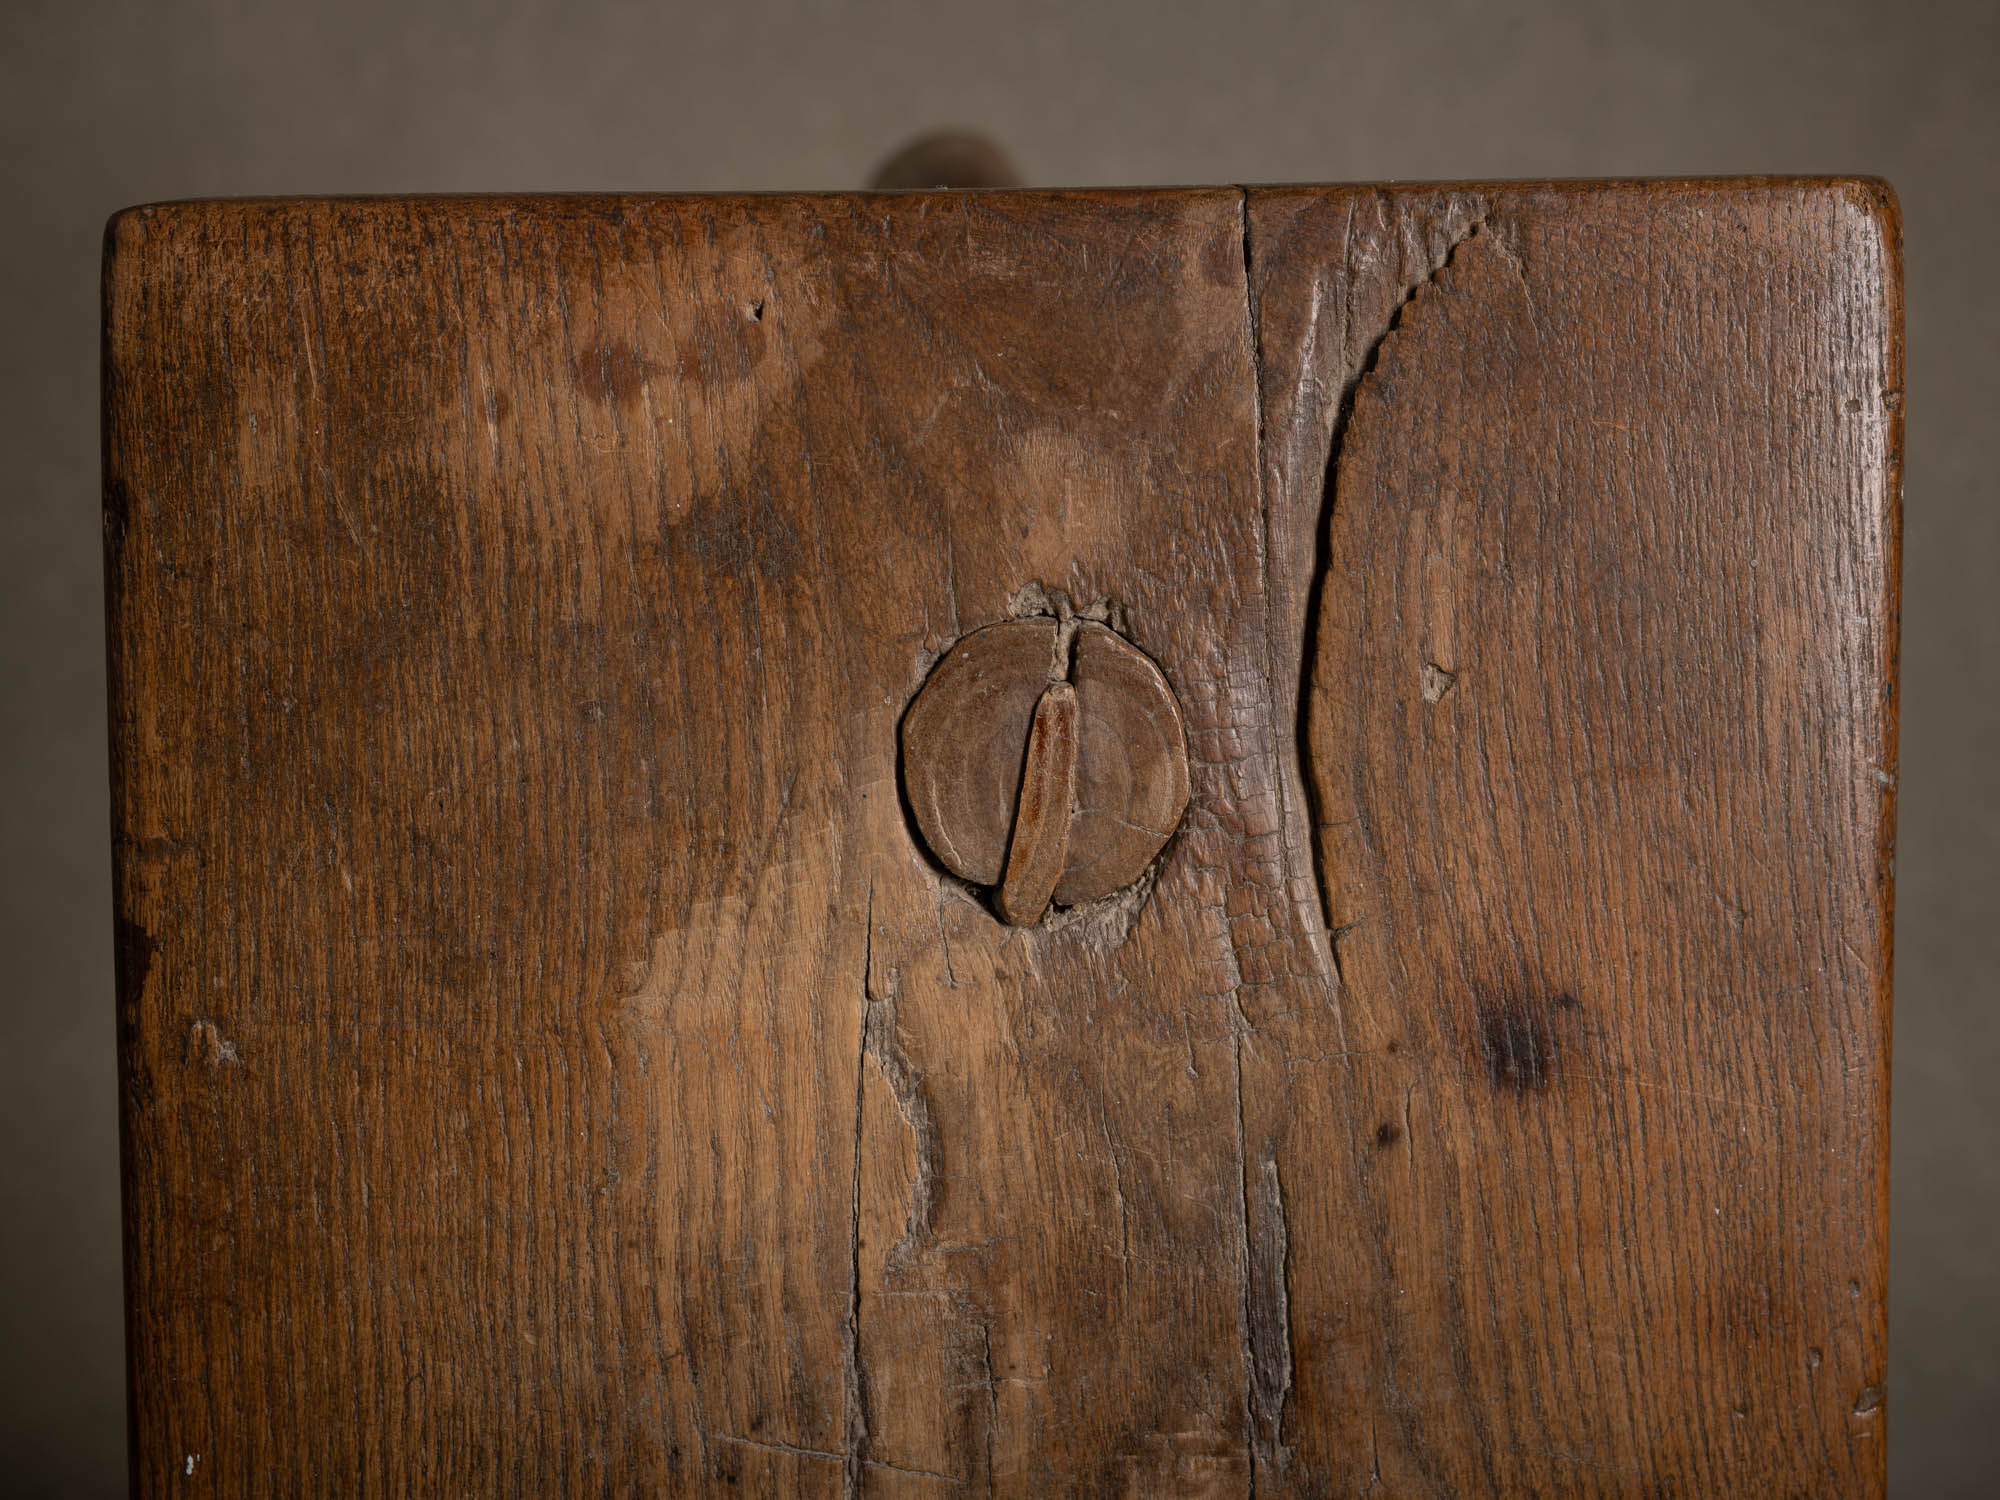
<point x="1267" y="1325"/>
<point x="1271" y="1342"/>
<point x="1268" y="1357"/>
<point x="1267" y="1333"/>
<point x="1326" y="716"/>
<point x="1118" y="1190"/>
<point x="1253" y="341"/>
<point x="855" y="1433"/>
<point x="881" y="1043"/>
<point x="992" y="1399"/>
<point x="1299" y="863"/>
<point x="1246" y="1317"/>
<point x="1265" y="1249"/>
<point x="1322" y="534"/>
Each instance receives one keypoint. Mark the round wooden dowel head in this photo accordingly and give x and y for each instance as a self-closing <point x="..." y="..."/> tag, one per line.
<point x="1045" y="760"/>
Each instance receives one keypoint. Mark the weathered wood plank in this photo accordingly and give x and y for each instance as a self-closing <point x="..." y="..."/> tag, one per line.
<point x="1601" y="749"/>
<point x="553" y="1062"/>
<point x="515" y="604"/>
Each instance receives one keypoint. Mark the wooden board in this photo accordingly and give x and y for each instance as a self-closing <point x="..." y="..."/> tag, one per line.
<point x="1601" y="743"/>
<point x="552" y="1064"/>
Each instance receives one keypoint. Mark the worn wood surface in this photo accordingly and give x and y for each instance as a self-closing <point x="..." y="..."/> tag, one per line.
<point x="553" y="1064"/>
<point x="1600" y="740"/>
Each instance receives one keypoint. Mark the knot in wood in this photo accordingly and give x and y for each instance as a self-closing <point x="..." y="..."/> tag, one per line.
<point x="1046" y="759"/>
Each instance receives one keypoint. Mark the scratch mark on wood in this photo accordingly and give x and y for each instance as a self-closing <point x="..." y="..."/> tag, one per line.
<point x="792" y="1450"/>
<point x="207" y="1044"/>
<point x="1246" y="1262"/>
<point x="1271" y="1335"/>
<point x="992" y="1399"/>
<point x="1118" y="1190"/>
<point x="1264" y="1248"/>
<point x="881" y="1042"/>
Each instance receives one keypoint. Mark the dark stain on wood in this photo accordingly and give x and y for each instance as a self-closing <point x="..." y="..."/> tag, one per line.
<point x="616" y="372"/>
<point x="1517" y="1046"/>
<point x="764" y="541"/>
<point x="132" y="952"/>
<point x="117" y="512"/>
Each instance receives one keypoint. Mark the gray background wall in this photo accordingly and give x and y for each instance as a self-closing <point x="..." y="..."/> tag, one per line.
<point x="109" y="102"/>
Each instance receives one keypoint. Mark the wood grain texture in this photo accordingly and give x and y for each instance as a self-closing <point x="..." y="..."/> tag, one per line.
<point x="552" y="1063"/>
<point x="1601" y="747"/>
